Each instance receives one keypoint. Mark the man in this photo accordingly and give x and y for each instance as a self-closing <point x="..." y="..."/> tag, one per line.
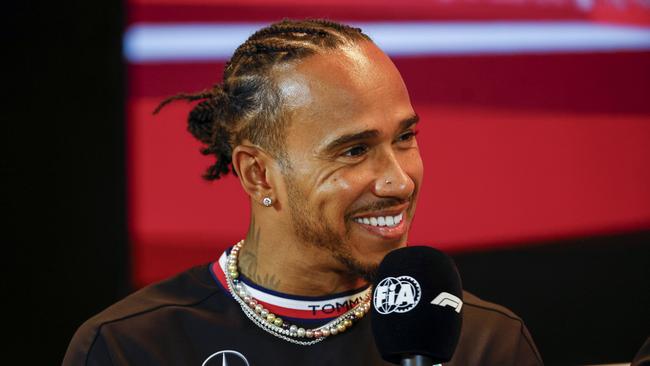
<point x="317" y="124"/>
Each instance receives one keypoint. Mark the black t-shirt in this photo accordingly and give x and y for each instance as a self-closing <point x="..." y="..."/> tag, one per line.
<point x="191" y="319"/>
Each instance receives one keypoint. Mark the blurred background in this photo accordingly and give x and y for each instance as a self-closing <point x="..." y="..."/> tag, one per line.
<point x="535" y="136"/>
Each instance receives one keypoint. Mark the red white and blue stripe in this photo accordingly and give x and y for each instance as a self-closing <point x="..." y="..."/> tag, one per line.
<point x="304" y="308"/>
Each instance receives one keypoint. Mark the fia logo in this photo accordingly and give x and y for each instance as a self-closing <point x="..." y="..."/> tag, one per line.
<point x="397" y="295"/>
<point x="228" y="358"/>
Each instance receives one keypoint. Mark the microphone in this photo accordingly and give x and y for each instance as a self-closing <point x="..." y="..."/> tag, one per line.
<point x="416" y="307"/>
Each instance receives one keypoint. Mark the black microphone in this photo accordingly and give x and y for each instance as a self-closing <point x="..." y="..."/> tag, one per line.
<point x="416" y="307"/>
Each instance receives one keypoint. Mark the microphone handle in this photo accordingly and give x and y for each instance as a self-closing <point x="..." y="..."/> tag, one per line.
<point x="416" y="360"/>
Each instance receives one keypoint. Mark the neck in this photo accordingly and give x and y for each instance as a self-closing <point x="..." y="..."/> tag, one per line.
<point x="292" y="268"/>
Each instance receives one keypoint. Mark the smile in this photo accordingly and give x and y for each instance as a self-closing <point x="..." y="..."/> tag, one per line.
<point x="389" y="221"/>
<point x="390" y="227"/>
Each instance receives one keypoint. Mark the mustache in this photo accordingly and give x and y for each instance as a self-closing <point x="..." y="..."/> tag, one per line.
<point x="378" y="205"/>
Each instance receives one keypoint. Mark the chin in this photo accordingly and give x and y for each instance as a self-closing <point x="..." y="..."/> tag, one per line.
<point x="374" y="250"/>
<point x="365" y="265"/>
<point x="362" y="255"/>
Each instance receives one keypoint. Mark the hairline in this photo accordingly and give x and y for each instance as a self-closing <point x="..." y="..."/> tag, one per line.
<point x="281" y="114"/>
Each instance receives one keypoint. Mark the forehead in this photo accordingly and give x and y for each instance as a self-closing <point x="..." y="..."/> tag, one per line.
<point x="342" y="91"/>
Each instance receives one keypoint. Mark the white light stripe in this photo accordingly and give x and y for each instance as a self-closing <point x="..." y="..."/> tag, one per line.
<point x="291" y="303"/>
<point x="145" y="43"/>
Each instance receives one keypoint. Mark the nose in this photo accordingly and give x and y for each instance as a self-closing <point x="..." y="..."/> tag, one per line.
<point x="392" y="179"/>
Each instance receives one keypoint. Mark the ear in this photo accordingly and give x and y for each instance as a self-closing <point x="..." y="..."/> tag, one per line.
<point x="251" y="165"/>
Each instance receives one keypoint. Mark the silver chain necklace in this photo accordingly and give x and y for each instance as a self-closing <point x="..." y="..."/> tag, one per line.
<point x="273" y="324"/>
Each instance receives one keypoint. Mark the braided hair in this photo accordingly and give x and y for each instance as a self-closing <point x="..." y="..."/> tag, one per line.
<point x="247" y="103"/>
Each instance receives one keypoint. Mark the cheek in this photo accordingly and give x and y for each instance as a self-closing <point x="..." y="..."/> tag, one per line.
<point x="414" y="167"/>
<point x="339" y="191"/>
<point x="335" y="183"/>
<point x="411" y="164"/>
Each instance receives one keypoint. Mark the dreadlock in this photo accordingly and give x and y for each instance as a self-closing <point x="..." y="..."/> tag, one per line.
<point x="247" y="104"/>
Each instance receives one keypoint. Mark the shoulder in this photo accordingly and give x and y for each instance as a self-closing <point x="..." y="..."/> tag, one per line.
<point x="495" y="334"/>
<point x="185" y="290"/>
<point x="488" y="312"/>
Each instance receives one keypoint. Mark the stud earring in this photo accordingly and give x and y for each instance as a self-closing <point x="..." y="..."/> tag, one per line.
<point x="267" y="201"/>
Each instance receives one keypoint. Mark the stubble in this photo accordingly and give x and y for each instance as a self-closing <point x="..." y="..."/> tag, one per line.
<point x="312" y="228"/>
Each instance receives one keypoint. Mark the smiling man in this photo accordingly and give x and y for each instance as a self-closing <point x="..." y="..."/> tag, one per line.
<point x="317" y="123"/>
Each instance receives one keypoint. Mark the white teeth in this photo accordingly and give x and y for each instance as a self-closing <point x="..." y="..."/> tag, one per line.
<point x="389" y="221"/>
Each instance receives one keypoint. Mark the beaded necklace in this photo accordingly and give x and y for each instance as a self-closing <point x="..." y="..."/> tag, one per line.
<point x="275" y="325"/>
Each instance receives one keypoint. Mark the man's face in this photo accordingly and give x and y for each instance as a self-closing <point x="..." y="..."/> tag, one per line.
<point x="355" y="167"/>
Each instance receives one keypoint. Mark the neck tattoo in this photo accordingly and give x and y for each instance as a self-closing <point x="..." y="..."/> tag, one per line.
<point x="273" y="324"/>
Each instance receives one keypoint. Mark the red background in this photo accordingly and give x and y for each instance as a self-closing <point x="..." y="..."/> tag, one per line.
<point x="517" y="148"/>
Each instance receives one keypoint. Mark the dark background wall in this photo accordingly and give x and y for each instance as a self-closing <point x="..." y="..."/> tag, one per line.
<point x="63" y="160"/>
<point x="585" y="300"/>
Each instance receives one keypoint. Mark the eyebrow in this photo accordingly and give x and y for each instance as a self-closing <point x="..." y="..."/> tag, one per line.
<point x="414" y="119"/>
<point x="367" y="134"/>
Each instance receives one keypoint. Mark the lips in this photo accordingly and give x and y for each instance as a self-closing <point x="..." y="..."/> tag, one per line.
<point x="389" y="224"/>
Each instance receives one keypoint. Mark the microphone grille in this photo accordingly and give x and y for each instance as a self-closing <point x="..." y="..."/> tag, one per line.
<point x="417" y="305"/>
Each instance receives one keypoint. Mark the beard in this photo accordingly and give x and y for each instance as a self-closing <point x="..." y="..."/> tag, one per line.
<point x="312" y="227"/>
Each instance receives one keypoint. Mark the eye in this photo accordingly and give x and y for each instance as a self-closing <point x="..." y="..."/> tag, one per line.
<point x="407" y="136"/>
<point x="355" y="151"/>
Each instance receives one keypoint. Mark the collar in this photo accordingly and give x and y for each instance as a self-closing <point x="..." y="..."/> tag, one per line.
<point x="321" y="308"/>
